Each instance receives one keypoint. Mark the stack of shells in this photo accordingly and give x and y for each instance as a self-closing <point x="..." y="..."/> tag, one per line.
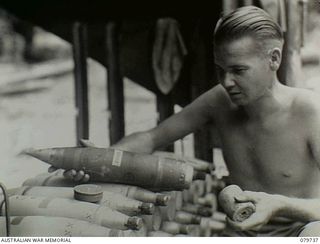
<point x="52" y="205"/>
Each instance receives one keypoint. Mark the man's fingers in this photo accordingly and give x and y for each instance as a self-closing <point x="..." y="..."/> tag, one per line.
<point x="246" y="196"/>
<point x="79" y="176"/>
<point x="242" y="198"/>
<point x="52" y="169"/>
<point x="234" y="225"/>
<point x="76" y="176"/>
<point x="85" y="178"/>
<point x="252" y="223"/>
<point x="70" y="174"/>
<point x="86" y="143"/>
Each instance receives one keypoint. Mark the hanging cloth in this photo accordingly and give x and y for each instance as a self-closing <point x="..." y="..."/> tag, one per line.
<point x="168" y="54"/>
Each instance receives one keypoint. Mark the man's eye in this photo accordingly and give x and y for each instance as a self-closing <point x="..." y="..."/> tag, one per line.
<point x="239" y="71"/>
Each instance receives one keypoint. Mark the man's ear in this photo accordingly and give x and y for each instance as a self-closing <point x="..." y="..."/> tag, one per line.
<point x="275" y="56"/>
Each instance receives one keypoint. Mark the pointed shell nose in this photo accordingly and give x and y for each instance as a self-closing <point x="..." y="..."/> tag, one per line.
<point x="45" y="155"/>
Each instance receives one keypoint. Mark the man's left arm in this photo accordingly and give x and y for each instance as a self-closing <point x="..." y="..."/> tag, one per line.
<point x="269" y="206"/>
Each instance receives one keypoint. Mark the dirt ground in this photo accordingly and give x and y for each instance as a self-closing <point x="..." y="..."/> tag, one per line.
<point x="46" y="117"/>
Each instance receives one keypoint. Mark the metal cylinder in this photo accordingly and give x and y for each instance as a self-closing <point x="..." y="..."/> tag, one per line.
<point x="196" y="163"/>
<point x="213" y="225"/>
<point x="61" y="207"/>
<point x="116" y="166"/>
<point x="175" y="228"/>
<point x="142" y="232"/>
<point x="109" y="199"/>
<point x="168" y="212"/>
<point x="209" y="200"/>
<point x="236" y="211"/>
<point x="219" y="216"/>
<point x="183" y="217"/>
<point x="196" y="190"/>
<point x="55" y="226"/>
<point x="134" y="192"/>
<point x="196" y="209"/>
<point x="137" y="193"/>
<point x="152" y="222"/>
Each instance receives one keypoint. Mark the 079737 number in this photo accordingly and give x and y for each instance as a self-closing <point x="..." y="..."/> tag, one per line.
<point x="309" y="239"/>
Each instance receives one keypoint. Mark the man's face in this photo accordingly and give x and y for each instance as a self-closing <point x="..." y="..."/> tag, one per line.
<point x="243" y="70"/>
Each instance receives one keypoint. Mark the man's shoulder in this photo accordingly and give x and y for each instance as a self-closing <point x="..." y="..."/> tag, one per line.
<point x="306" y="102"/>
<point x="307" y="107"/>
<point x="217" y="97"/>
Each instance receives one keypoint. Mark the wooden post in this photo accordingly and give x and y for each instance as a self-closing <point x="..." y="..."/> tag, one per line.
<point x="228" y="6"/>
<point x="81" y="81"/>
<point x="247" y="2"/>
<point x="165" y="108"/>
<point x="115" y="84"/>
<point x="290" y="72"/>
<point x="201" y="64"/>
<point x="304" y="20"/>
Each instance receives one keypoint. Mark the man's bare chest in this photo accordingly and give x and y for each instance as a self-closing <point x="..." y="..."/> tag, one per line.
<point x="261" y="147"/>
<point x="276" y="156"/>
<point x="275" y="138"/>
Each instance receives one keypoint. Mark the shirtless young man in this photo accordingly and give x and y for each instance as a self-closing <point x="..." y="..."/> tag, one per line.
<point x="270" y="133"/>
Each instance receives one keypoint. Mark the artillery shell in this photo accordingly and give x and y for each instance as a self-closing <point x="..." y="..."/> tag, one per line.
<point x="137" y="193"/>
<point x="196" y="209"/>
<point x="187" y="218"/>
<point x="152" y="222"/>
<point x="219" y="216"/>
<point x="61" y="207"/>
<point x="196" y="163"/>
<point x="112" y="200"/>
<point x="213" y="225"/>
<point x="142" y="232"/>
<point x="116" y="166"/>
<point x="209" y="200"/>
<point x="175" y="228"/>
<point x="55" y="226"/>
<point x="168" y="212"/>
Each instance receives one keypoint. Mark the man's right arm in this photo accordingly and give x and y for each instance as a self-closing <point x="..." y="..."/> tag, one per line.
<point x="190" y="119"/>
<point x="139" y="142"/>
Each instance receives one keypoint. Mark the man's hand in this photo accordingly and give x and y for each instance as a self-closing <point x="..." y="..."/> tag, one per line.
<point x="77" y="176"/>
<point x="267" y="207"/>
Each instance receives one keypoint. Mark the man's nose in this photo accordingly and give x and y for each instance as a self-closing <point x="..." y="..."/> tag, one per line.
<point x="228" y="80"/>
